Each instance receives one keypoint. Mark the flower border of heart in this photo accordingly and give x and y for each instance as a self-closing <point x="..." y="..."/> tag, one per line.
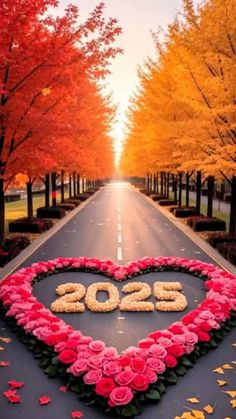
<point x="120" y="383"/>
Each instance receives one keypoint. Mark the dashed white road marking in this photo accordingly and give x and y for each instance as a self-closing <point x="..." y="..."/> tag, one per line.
<point x="119" y="238"/>
<point x="119" y="253"/>
<point x="119" y="217"/>
<point x="119" y="227"/>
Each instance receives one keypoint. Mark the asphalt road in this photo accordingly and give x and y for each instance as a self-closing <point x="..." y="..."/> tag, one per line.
<point x="118" y="224"/>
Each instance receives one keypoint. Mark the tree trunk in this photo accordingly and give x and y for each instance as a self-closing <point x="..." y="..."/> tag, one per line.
<point x="165" y="186"/>
<point x="162" y="184"/>
<point x="175" y="189"/>
<point x="155" y="182"/>
<point x="84" y="184"/>
<point x="62" y="187"/>
<point x="198" y="192"/>
<point x="74" y="184"/>
<point x="54" y="189"/>
<point x="168" y="185"/>
<point x="70" y="187"/>
<point x="232" y="218"/>
<point x="78" y="183"/>
<point x="47" y="190"/>
<point x="2" y="213"/>
<point x="29" y="200"/>
<point x="187" y="189"/>
<point x="180" y="190"/>
<point x="210" y="194"/>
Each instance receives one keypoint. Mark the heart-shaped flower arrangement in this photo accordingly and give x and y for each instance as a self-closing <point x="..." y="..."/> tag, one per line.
<point x="120" y="383"/>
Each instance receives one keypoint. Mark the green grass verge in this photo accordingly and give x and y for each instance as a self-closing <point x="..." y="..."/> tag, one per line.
<point x="18" y="209"/>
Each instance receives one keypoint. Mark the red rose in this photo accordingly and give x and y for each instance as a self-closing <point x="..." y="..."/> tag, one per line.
<point x="124" y="361"/>
<point x="176" y="350"/>
<point x="146" y="343"/>
<point x="52" y="340"/>
<point x="105" y="386"/>
<point x="67" y="356"/>
<point x="155" y="335"/>
<point x="203" y="336"/>
<point x="140" y="382"/>
<point x="138" y="364"/>
<point x="177" y="330"/>
<point x="170" y="361"/>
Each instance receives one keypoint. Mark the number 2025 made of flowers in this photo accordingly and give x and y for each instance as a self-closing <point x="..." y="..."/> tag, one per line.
<point x="168" y="294"/>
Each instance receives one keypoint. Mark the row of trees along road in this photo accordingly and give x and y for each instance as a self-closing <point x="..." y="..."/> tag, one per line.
<point x="54" y="115"/>
<point x="183" y="116"/>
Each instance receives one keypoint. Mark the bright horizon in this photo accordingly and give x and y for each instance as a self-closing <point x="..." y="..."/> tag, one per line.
<point x="137" y="18"/>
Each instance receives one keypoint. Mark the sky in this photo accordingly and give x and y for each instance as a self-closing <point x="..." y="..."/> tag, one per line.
<point x="137" y="18"/>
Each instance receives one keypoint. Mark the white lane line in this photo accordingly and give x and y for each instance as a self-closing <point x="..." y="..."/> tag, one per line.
<point x="118" y="208"/>
<point x="119" y="227"/>
<point x="119" y="253"/>
<point x="119" y="217"/>
<point x="119" y="238"/>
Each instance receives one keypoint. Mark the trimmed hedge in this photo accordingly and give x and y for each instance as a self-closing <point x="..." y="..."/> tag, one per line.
<point x="216" y="238"/>
<point x="228" y="251"/>
<point x="73" y="201"/>
<point x="166" y="202"/>
<point x="51" y="212"/>
<point x="157" y="197"/>
<point x="26" y="225"/>
<point x="82" y="196"/>
<point x="12" y="248"/>
<point x="184" y="212"/>
<point x="200" y="223"/>
<point x="146" y="192"/>
<point x="67" y="206"/>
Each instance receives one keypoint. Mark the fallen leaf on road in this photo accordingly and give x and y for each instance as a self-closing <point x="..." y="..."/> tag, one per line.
<point x="209" y="409"/>
<point x="63" y="389"/>
<point x="4" y="363"/>
<point x="219" y="370"/>
<point x="231" y="393"/>
<point x="44" y="400"/>
<point x="227" y="367"/>
<point x="233" y="403"/>
<point x="198" y="414"/>
<point x="1" y="348"/>
<point x="221" y="383"/>
<point x="76" y="414"/>
<point x="16" y="384"/>
<point x="5" y="340"/>
<point x="193" y="400"/>
<point x="9" y="393"/>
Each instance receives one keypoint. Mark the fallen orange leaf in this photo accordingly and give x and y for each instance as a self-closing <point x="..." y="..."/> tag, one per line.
<point x="193" y="400"/>
<point x="231" y="393"/>
<point x="198" y="414"/>
<point x="233" y="403"/>
<point x="227" y="367"/>
<point x="219" y="370"/>
<point x="209" y="409"/>
<point x="221" y="383"/>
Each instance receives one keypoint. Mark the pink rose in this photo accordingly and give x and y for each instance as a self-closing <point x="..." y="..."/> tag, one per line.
<point x="110" y="353"/>
<point x="125" y="377"/>
<point x="164" y="342"/>
<point x="156" y="365"/>
<point x="191" y="338"/>
<point x="120" y="396"/>
<point x="111" y="368"/>
<point x="96" y="345"/>
<point x="79" y="367"/>
<point x="95" y="361"/>
<point x="151" y="376"/>
<point x="92" y="377"/>
<point x="157" y="351"/>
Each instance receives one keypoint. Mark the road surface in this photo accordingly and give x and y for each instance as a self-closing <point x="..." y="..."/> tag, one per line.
<point x="118" y="224"/>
